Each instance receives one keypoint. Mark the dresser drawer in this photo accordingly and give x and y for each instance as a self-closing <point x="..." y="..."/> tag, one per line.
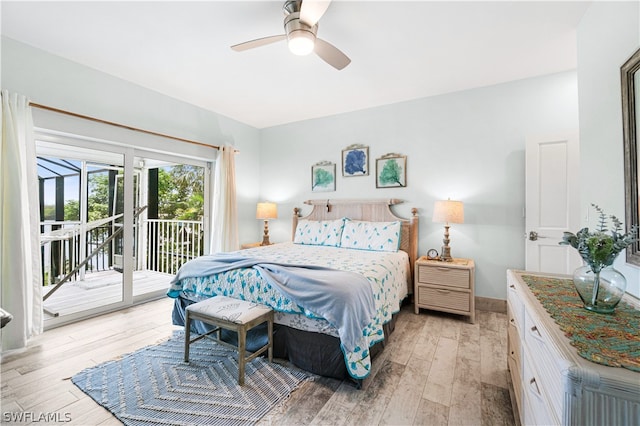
<point x="544" y="358"/>
<point x="517" y="307"/>
<point x="513" y="338"/>
<point x="445" y="276"/>
<point x="516" y="380"/>
<point x="532" y="387"/>
<point x="442" y="298"/>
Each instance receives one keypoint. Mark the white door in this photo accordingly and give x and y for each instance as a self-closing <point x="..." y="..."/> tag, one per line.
<point x="552" y="202"/>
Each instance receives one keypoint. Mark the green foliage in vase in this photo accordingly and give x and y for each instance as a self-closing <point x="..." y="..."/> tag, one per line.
<point x="600" y="248"/>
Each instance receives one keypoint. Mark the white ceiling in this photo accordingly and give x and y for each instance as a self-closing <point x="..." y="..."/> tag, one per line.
<point x="399" y="50"/>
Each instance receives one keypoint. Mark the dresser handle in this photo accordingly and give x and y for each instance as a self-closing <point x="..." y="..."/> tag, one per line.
<point x="439" y="268"/>
<point x="534" y="385"/>
<point x="535" y="330"/>
<point x="512" y="321"/>
<point x="443" y="291"/>
<point x="512" y="286"/>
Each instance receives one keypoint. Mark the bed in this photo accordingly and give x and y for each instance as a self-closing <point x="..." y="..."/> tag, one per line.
<point x="335" y="288"/>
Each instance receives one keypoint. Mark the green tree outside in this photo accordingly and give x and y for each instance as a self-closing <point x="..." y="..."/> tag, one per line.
<point x="180" y="194"/>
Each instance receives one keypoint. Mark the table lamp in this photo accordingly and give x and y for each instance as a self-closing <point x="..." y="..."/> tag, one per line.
<point x="266" y="211"/>
<point x="447" y="211"/>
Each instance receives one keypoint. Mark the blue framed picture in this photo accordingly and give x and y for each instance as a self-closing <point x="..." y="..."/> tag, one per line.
<point x="355" y="160"/>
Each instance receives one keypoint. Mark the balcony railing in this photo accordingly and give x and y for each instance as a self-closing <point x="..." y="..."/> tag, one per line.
<point x="167" y="245"/>
<point x="170" y="243"/>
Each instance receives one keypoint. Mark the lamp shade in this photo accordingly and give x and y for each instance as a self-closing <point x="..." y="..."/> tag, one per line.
<point x="448" y="211"/>
<point x="267" y="211"/>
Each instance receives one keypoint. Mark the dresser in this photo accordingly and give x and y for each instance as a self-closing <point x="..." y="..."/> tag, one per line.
<point x="552" y="384"/>
<point x="445" y="286"/>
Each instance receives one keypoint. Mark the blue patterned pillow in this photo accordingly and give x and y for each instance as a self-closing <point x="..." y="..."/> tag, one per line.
<point x="374" y="236"/>
<point x="319" y="232"/>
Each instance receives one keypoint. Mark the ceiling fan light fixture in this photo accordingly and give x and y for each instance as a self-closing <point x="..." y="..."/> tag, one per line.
<point x="300" y="29"/>
<point x="301" y="42"/>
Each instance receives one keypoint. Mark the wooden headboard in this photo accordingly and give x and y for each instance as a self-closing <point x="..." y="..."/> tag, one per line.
<point x="370" y="210"/>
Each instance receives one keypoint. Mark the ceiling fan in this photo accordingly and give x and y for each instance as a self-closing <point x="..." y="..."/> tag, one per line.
<point x="301" y="26"/>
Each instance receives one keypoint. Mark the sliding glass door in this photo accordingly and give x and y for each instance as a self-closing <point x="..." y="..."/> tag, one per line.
<point x="170" y="228"/>
<point x="81" y="225"/>
<point x="116" y="224"/>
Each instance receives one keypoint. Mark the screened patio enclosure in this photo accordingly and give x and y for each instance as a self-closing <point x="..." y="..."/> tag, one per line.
<point x="82" y="199"/>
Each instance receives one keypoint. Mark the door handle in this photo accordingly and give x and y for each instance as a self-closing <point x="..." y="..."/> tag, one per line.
<point x="533" y="236"/>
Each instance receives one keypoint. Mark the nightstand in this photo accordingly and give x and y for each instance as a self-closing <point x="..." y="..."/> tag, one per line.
<point x="250" y="245"/>
<point x="445" y="286"/>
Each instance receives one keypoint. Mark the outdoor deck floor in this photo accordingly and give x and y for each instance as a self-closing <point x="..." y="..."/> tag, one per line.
<point x="102" y="288"/>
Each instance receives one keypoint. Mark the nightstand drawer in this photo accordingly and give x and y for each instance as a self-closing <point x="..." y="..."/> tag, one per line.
<point x="449" y="277"/>
<point x="449" y="299"/>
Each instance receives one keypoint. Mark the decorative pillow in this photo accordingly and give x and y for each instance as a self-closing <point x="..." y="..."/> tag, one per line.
<point x="319" y="232"/>
<point x="374" y="236"/>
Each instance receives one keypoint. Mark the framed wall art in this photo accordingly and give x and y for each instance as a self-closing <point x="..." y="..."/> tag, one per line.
<point x="323" y="177"/>
<point x="391" y="171"/>
<point x="355" y="160"/>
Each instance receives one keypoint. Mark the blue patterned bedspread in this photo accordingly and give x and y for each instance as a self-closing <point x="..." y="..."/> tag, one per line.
<point x="386" y="273"/>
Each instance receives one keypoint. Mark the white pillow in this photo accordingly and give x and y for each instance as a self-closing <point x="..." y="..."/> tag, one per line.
<point x="374" y="236"/>
<point x="319" y="232"/>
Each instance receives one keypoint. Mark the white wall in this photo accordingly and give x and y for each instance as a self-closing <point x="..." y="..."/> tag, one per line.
<point x="467" y="145"/>
<point x="608" y="35"/>
<point x="53" y="81"/>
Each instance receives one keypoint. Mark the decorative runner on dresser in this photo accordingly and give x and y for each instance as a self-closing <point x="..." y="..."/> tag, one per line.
<point x="608" y="339"/>
<point x="154" y="385"/>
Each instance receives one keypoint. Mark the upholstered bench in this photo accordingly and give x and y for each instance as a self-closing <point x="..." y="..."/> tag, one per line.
<point x="230" y="314"/>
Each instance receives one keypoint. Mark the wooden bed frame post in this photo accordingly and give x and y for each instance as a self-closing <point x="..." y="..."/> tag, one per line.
<point x="413" y="244"/>
<point x="294" y="221"/>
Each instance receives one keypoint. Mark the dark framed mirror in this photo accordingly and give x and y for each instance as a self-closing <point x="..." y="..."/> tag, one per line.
<point x="631" y="128"/>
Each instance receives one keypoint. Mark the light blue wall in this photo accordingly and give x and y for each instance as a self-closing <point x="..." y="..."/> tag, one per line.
<point x="608" y="35"/>
<point x="468" y="146"/>
<point x="53" y="81"/>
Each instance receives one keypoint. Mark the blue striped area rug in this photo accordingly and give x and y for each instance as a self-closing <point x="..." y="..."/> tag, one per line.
<point x="154" y="386"/>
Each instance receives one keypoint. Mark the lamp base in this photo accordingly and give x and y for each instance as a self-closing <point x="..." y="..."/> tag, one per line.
<point x="446" y="254"/>
<point x="265" y="237"/>
<point x="446" y="250"/>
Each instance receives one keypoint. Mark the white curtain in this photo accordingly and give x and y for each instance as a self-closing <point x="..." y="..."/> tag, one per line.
<point x="224" y="233"/>
<point x="20" y="269"/>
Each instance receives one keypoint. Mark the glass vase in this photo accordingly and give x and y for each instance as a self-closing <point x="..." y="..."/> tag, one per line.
<point x="600" y="291"/>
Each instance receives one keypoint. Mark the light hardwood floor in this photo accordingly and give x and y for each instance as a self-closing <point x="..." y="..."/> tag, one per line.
<point x="436" y="370"/>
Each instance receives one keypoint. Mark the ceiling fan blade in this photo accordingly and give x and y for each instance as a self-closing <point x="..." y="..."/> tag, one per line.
<point x="331" y="54"/>
<point x="258" y="42"/>
<point x="312" y="10"/>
